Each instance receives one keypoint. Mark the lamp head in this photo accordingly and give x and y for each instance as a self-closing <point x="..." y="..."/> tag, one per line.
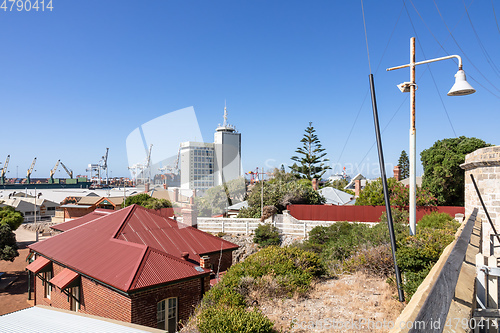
<point x="461" y="86"/>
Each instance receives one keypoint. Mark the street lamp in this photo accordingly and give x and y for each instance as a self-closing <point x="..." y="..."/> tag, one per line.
<point x="460" y="88"/>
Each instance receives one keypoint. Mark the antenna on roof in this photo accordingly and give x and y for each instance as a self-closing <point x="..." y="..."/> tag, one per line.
<point x="225" y="114"/>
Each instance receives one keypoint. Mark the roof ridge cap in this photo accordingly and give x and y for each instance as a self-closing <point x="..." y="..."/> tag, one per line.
<point x="137" y="269"/>
<point x="125" y="220"/>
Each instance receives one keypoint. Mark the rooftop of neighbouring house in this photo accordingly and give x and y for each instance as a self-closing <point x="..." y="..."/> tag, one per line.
<point x="131" y="249"/>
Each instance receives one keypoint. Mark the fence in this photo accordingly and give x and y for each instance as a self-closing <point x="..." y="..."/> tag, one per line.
<point x="358" y="213"/>
<point x="285" y="223"/>
<point x="487" y="311"/>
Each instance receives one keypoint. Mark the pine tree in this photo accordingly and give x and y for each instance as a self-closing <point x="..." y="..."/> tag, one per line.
<point x="404" y="165"/>
<point x="312" y="162"/>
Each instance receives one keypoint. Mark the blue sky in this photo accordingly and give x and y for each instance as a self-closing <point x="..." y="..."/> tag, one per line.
<point x="82" y="77"/>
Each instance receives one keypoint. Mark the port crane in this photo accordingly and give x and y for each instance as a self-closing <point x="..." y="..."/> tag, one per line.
<point x="103" y="164"/>
<point x="148" y="164"/>
<point x="69" y="172"/>
<point x="53" y="171"/>
<point x="30" y="170"/>
<point x="4" y="170"/>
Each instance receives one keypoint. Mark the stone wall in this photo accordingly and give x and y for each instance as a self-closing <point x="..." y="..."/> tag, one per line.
<point x="484" y="165"/>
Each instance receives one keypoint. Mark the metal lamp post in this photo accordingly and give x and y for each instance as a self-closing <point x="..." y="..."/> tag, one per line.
<point x="460" y="88"/>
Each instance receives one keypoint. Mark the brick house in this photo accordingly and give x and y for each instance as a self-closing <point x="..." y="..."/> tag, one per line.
<point x="132" y="265"/>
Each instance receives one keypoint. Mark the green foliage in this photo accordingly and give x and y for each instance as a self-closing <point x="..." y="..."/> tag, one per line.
<point x="404" y="165"/>
<point x="228" y="319"/>
<point x="417" y="254"/>
<point x="373" y="261"/>
<point x="146" y="201"/>
<point x="218" y="198"/>
<point x="399" y="216"/>
<point x="8" y="245"/>
<point x="437" y="220"/>
<point x="442" y="173"/>
<point x="274" y="271"/>
<point x="266" y="234"/>
<point x="312" y="160"/>
<point x="280" y="193"/>
<point x="11" y="217"/>
<point x="373" y="194"/>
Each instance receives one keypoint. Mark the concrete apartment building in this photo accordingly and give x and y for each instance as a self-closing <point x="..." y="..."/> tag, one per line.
<point x="204" y="165"/>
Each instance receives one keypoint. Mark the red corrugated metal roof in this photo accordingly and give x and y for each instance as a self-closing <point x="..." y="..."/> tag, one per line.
<point x="79" y="221"/>
<point x="64" y="278"/>
<point x="170" y="236"/>
<point x="39" y="264"/>
<point x="158" y="267"/>
<point x="131" y="248"/>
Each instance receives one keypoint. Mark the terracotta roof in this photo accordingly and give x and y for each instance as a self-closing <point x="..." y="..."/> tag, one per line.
<point x="132" y="248"/>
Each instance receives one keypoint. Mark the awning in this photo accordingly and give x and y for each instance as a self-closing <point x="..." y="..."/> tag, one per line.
<point x="41" y="264"/>
<point x="66" y="279"/>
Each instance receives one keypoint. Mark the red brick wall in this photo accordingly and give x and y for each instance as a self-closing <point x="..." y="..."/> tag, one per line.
<point x="226" y="262"/>
<point x="95" y="299"/>
<point x="139" y="308"/>
<point x="188" y="293"/>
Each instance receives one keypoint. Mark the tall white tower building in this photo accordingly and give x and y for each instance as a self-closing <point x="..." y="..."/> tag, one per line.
<point x="227" y="142"/>
<point x="204" y="165"/>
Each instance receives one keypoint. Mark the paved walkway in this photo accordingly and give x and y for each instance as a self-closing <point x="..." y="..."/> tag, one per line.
<point x="14" y="297"/>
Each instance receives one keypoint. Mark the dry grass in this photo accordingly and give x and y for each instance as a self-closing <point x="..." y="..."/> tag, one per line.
<point x="351" y="301"/>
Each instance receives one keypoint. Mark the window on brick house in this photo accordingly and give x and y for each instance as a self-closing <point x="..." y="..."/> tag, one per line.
<point x="47" y="290"/>
<point x="166" y="314"/>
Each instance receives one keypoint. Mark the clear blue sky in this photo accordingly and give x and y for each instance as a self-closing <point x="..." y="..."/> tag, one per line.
<point x="80" y="78"/>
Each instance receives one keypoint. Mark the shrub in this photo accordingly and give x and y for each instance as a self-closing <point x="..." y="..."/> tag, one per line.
<point x="227" y="319"/>
<point x="437" y="220"/>
<point x="266" y="234"/>
<point x="375" y="261"/>
<point x="417" y="254"/>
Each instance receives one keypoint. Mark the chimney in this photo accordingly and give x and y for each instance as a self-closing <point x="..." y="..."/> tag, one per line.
<point x="190" y="215"/>
<point x="205" y="262"/>
<point x="397" y="173"/>
<point x="176" y="195"/>
<point x="357" y="188"/>
<point x="185" y="255"/>
<point x="315" y="184"/>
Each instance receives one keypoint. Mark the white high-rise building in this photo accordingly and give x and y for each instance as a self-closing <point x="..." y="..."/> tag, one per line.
<point x="204" y="165"/>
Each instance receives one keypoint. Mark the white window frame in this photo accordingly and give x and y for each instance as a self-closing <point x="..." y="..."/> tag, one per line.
<point x="47" y="290"/>
<point x="164" y="316"/>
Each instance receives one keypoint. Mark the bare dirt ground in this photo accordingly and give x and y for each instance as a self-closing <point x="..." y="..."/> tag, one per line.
<point x="352" y="303"/>
<point x="14" y="297"/>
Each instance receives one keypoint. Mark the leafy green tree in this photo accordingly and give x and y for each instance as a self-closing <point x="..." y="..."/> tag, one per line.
<point x="404" y="165"/>
<point x="280" y="193"/>
<point x="218" y="198"/>
<point x="312" y="156"/>
<point x="442" y="173"/>
<point x="146" y="201"/>
<point x="373" y="194"/>
<point x="8" y="245"/>
<point x="11" y="217"/>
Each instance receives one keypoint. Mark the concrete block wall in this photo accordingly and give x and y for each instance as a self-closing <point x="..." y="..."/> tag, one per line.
<point x="484" y="165"/>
